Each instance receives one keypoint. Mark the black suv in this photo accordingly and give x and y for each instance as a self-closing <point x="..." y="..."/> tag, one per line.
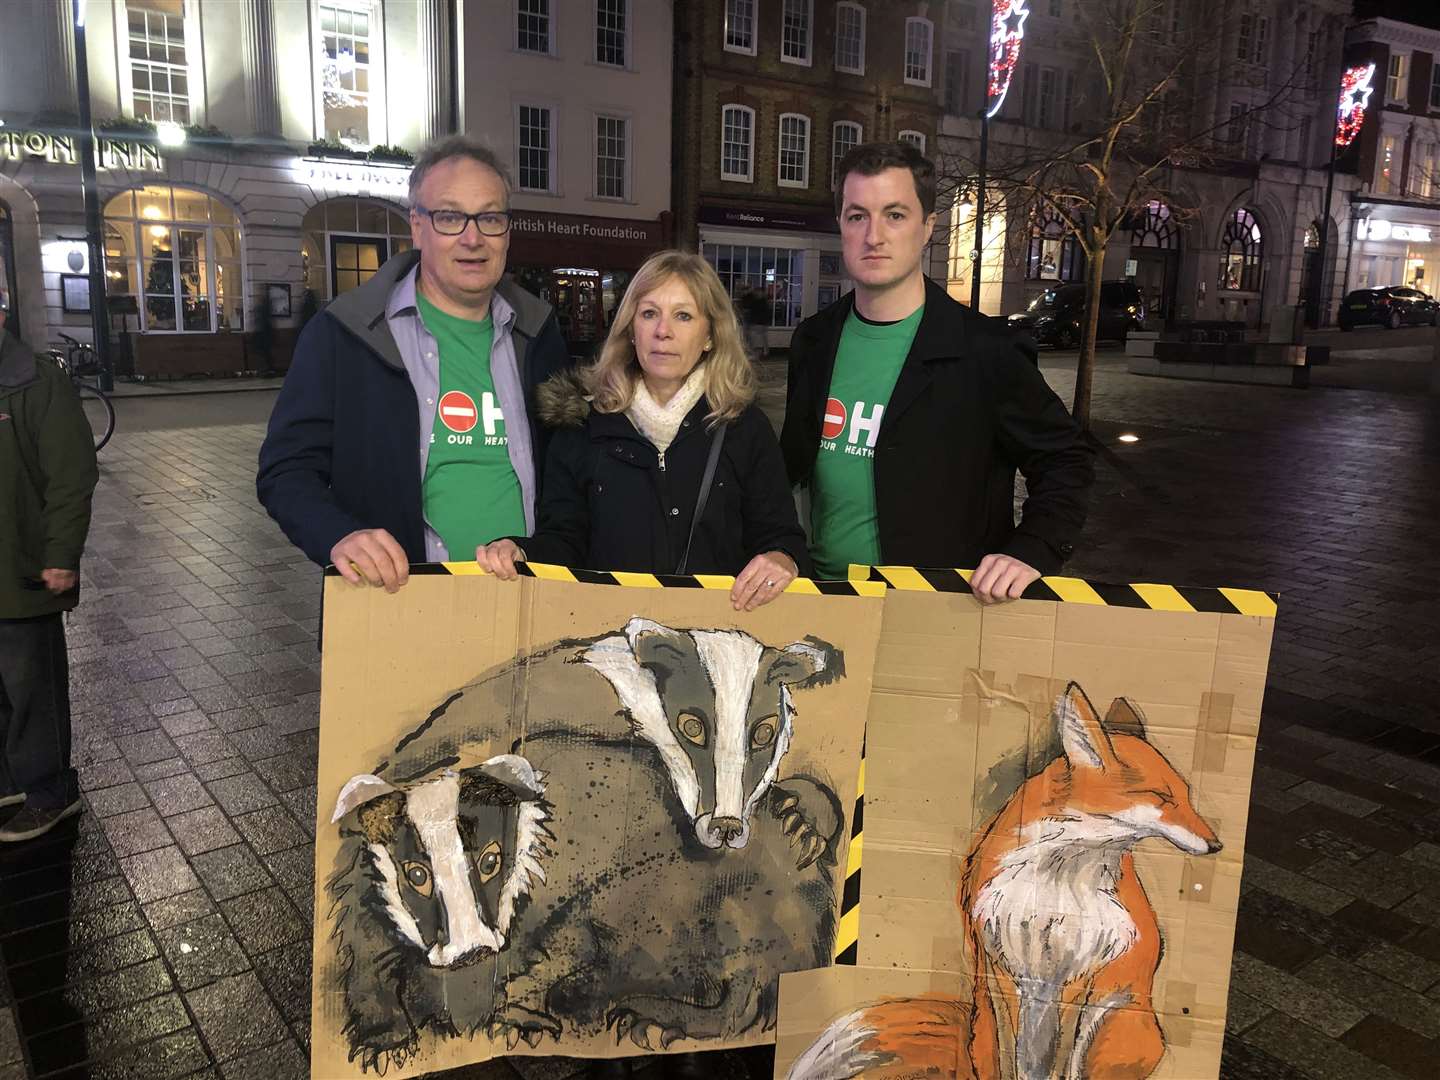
<point x="1393" y="306"/>
<point x="1053" y="317"/>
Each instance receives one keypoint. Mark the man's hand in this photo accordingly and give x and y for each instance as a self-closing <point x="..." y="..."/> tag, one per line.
<point x="499" y="558"/>
<point x="999" y="578"/>
<point x="59" y="581"/>
<point x="763" y="579"/>
<point x="371" y="557"/>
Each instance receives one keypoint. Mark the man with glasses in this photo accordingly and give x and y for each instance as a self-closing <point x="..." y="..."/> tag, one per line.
<point x="403" y="432"/>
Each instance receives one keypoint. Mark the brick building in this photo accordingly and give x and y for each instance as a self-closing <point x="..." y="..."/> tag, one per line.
<point x="769" y="94"/>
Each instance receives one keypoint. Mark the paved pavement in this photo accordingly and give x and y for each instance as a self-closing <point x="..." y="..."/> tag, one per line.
<point x="167" y="933"/>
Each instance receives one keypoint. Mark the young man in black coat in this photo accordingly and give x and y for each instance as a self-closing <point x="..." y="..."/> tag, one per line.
<point x="908" y="414"/>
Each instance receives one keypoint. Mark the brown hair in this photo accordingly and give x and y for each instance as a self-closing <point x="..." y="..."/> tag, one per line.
<point x="455" y="146"/>
<point x="729" y="376"/>
<point x="871" y="159"/>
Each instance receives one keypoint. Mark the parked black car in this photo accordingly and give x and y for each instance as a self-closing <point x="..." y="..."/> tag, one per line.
<point x="1054" y="317"/>
<point x="1393" y="306"/>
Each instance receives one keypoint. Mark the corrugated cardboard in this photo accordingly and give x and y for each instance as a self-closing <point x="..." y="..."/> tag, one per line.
<point x="390" y="719"/>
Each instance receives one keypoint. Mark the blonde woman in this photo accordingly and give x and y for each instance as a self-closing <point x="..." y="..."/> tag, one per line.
<point x="636" y="434"/>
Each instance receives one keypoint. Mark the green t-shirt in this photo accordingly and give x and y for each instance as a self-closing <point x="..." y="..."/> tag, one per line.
<point x="471" y="492"/>
<point x="843" y="522"/>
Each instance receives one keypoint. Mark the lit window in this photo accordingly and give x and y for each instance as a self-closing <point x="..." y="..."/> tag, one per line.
<point x="1240" y="253"/>
<point x="794" y="150"/>
<point x="159" y="75"/>
<point x="536" y="148"/>
<point x="610" y="25"/>
<point x="850" y="38"/>
<point x="1054" y="254"/>
<point x="845" y="136"/>
<point x="345" y="241"/>
<point x="919" y="34"/>
<point x="1388" y="164"/>
<point x="740" y="26"/>
<point x="737" y="143"/>
<point x="795" y="27"/>
<point x="345" y="71"/>
<point x="172" y="256"/>
<point x="778" y="273"/>
<point x="532" y="25"/>
<point x="610" y="157"/>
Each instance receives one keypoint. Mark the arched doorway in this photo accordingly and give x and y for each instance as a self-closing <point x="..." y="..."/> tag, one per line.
<point x="1155" y="250"/>
<point x="1314" y="286"/>
<point x="9" y="296"/>
<point x="347" y="240"/>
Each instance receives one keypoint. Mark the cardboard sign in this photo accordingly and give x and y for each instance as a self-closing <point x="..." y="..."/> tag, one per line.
<point x="1056" y="798"/>
<point x="576" y="818"/>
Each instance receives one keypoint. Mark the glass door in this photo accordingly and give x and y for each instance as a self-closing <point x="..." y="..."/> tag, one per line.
<point x="354" y="261"/>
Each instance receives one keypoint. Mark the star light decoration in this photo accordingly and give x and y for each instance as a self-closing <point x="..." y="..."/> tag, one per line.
<point x="1355" y="91"/>
<point x="1007" y="28"/>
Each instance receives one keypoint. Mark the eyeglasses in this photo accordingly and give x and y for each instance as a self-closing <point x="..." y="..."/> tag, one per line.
<point x="455" y="222"/>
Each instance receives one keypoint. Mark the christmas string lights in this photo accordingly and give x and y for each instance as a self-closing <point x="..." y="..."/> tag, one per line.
<point x="1354" y="98"/>
<point x="1007" y="28"/>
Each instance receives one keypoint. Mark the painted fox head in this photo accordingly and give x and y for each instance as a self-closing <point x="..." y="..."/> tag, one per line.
<point x="716" y="705"/>
<point x="1121" y="783"/>
<point x="450" y="854"/>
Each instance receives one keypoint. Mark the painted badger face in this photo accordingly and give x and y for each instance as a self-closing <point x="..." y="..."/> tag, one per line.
<point x="451" y="853"/>
<point x="716" y="705"/>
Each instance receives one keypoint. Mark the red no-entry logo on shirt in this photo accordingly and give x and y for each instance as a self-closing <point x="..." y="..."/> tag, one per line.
<point x="457" y="411"/>
<point x="834" y="419"/>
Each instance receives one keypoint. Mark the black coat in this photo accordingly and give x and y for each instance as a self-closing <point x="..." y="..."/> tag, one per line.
<point x="607" y="505"/>
<point x="969" y="408"/>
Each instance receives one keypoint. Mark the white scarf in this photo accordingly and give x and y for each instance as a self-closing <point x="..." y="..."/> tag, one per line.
<point x="660" y="423"/>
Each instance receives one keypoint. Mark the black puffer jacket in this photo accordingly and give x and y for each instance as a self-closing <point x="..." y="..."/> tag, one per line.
<point x="606" y="504"/>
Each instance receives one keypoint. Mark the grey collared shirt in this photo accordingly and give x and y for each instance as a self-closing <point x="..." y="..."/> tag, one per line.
<point x="421" y="356"/>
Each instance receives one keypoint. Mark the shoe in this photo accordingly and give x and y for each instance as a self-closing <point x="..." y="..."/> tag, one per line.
<point x="612" y="1069"/>
<point x="11" y="800"/>
<point x="32" y="822"/>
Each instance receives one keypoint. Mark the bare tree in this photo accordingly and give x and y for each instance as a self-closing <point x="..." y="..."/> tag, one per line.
<point x="1146" y="105"/>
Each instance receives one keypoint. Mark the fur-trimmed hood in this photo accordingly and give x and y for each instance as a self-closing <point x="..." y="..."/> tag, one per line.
<point x="561" y="401"/>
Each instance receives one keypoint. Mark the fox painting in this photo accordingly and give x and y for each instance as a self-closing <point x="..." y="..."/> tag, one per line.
<point x="1063" y="941"/>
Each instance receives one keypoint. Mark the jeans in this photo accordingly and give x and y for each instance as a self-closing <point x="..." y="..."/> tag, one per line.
<point x="35" y="713"/>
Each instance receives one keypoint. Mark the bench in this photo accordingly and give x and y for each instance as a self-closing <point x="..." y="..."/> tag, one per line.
<point x="1218" y="352"/>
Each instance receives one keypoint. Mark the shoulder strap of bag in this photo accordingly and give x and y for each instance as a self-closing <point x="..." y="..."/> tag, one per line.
<point x="716" y="441"/>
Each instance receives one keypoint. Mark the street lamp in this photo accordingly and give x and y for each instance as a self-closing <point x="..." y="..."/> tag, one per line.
<point x="1007" y="30"/>
<point x="1355" y="92"/>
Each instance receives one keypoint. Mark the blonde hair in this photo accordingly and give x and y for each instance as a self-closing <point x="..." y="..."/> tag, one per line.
<point x="729" y="375"/>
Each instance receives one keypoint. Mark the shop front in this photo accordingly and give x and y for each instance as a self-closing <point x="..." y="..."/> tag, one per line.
<point x="581" y="265"/>
<point x="791" y="256"/>
<point x="1395" y="245"/>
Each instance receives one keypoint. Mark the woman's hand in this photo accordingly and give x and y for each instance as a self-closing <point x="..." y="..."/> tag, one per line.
<point x="762" y="580"/>
<point x="499" y="558"/>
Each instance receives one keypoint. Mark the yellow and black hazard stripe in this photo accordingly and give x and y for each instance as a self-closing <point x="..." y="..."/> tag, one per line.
<point x="847" y="931"/>
<point x="1077" y="591"/>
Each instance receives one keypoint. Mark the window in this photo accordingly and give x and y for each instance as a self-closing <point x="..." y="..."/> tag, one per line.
<point x="850" y="38"/>
<point x="740" y="26"/>
<point x="1057" y="8"/>
<point x="345" y="71"/>
<point x="1240" y="253"/>
<point x="1238" y="129"/>
<point x="1245" y="42"/>
<point x="844" y="137"/>
<point x="776" y="272"/>
<point x="737" y="143"/>
<point x="346" y="241"/>
<point x="176" y="253"/>
<point x="1054" y="254"/>
<point x="536" y="148"/>
<point x="1389" y="165"/>
<point x="918" y="36"/>
<point x="1262" y="30"/>
<point x="1047" y="112"/>
<point x="1155" y="229"/>
<point x="1395" y="87"/>
<point x="794" y="150"/>
<point x="1312" y="43"/>
<point x="532" y="25"/>
<point x="610" y="31"/>
<point x="914" y="138"/>
<point x="159" y="76"/>
<point x="1427" y="184"/>
<point x="795" y="23"/>
<point x="1435" y="83"/>
<point x="610" y="157"/>
<point x="957" y="67"/>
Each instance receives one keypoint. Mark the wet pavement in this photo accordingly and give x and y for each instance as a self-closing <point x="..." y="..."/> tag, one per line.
<point x="166" y="934"/>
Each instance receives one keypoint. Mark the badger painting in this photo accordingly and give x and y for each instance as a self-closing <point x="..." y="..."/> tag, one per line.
<point x="428" y="878"/>
<point x="716" y="707"/>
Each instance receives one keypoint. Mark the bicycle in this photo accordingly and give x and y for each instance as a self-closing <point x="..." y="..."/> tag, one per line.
<point x="79" y="363"/>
